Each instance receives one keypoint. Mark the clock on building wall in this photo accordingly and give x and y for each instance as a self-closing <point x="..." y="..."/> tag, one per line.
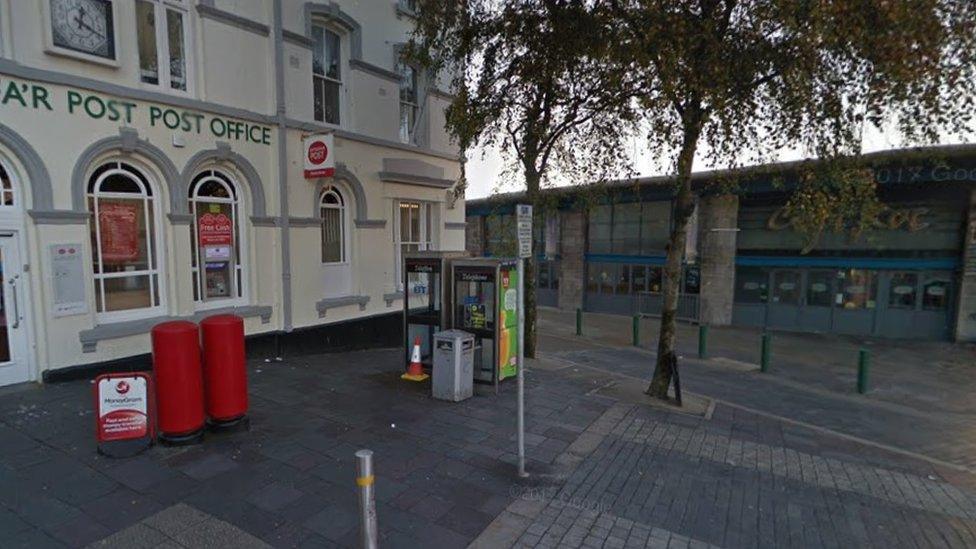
<point x="83" y="26"/>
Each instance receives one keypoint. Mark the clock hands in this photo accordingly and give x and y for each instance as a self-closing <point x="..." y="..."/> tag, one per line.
<point x="80" y="21"/>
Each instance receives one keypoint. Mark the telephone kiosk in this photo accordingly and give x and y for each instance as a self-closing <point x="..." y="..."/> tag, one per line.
<point x="426" y="300"/>
<point x="486" y="305"/>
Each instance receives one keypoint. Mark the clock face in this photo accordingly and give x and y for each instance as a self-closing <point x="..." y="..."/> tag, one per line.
<point x="84" y="26"/>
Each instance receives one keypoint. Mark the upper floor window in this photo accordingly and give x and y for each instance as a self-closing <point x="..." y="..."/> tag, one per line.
<point x="408" y="101"/>
<point x="125" y="250"/>
<point x="161" y="27"/>
<point x="408" y="5"/>
<point x="326" y="74"/>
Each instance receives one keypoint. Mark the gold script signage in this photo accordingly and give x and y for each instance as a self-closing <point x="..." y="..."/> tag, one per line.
<point x="892" y="219"/>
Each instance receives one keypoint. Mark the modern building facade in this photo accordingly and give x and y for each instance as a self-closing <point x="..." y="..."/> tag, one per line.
<point x="911" y="276"/>
<point x="151" y="164"/>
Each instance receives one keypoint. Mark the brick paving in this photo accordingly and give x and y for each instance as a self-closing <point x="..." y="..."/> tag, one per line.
<point x="605" y="473"/>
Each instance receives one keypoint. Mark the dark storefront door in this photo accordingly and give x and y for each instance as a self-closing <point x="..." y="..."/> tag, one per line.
<point x="784" y="307"/>
<point x="865" y="302"/>
<point x="818" y="301"/>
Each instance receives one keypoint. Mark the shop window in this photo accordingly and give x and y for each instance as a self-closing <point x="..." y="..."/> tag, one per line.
<point x="216" y="237"/>
<point x="500" y="235"/>
<point x="902" y="290"/>
<point x="409" y="101"/>
<point x="600" y="223"/>
<point x="413" y="231"/>
<point x="750" y="285"/>
<point x="592" y="277"/>
<point x="819" y="288"/>
<point x="655" y="279"/>
<point x="692" y="284"/>
<point x="125" y="256"/>
<point x="857" y="288"/>
<point x="655" y="227"/>
<point x="638" y="278"/>
<point x="608" y="277"/>
<point x="333" y="210"/>
<point x="786" y="287"/>
<point x="326" y="74"/>
<point x="623" y="281"/>
<point x="7" y="197"/>
<point x="162" y="34"/>
<point x="626" y="228"/>
<point x="935" y="293"/>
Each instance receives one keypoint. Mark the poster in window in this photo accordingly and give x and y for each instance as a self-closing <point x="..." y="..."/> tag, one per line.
<point x="118" y="225"/>
<point x="215" y="230"/>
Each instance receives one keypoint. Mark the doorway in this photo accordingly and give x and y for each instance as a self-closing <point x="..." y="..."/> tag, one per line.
<point x="14" y="367"/>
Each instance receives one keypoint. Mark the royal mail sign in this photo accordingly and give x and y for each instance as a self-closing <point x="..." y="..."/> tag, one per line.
<point x="319" y="156"/>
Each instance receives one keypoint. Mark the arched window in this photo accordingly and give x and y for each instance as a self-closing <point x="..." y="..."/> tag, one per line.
<point x="333" y="210"/>
<point x="125" y="256"/>
<point x="216" y="234"/>
<point x="7" y="197"/>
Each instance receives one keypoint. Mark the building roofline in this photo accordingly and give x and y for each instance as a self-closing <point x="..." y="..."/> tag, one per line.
<point x="774" y="168"/>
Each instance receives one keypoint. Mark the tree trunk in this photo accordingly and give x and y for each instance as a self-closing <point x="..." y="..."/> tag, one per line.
<point x="683" y="208"/>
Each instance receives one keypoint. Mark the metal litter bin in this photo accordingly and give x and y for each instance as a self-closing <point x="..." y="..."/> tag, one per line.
<point x="453" y="375"/>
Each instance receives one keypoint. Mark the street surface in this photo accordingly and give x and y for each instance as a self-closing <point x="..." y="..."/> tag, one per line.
<point x="782" y="459"/>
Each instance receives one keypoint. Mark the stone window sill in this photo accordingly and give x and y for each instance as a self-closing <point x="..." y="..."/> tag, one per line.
<point x="115" y="330"/>
<point x="322" y="306"/>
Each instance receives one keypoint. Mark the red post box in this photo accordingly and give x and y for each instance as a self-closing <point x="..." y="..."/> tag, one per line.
<point x="179" y="381"/>
<point x="224" y="370"/>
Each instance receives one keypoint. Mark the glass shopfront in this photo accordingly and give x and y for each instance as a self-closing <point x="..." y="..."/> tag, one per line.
<point x="898" y="281"/>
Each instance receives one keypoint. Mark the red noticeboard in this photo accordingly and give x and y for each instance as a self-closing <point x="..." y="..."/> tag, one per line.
<point x="215" y="230"/>
<point x="119" y="232"/>
<point x="123" y="407"/>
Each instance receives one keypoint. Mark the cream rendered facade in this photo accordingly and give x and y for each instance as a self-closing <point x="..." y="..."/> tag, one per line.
<point x="247" y="107"/>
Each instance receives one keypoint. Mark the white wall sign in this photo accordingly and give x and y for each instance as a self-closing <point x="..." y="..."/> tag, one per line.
<point x="319" y="156"/>
<point x="68" y="278"/>
<point x="524" y="230"/>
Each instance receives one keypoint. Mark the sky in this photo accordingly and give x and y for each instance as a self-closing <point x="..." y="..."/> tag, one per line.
<point x="484" y="166"/>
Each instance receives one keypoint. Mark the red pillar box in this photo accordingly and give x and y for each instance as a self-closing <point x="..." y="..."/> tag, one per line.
<point x="224" y="370"/>
<point x="179" y="381"/>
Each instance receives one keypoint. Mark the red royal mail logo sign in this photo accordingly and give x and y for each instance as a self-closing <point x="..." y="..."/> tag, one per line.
<point x="319" y="157"/>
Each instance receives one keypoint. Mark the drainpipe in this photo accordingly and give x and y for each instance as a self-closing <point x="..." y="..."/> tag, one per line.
<point x="283" y="222"/>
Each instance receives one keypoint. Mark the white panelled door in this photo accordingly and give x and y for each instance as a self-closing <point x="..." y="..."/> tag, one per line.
<point x="14" y="367"/>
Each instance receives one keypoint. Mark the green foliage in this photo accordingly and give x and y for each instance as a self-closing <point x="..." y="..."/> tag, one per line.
<point x="838" y="196"/>
<point x="531" y="79"/>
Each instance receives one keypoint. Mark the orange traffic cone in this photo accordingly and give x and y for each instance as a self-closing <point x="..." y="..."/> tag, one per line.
<point x="415" y="372"/>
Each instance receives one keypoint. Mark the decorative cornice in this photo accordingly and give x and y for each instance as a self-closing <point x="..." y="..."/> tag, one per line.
<point x="209" y="12"/>
<point x="323" y="305"/>
<point x="375" y="70"/>
<point x="58" y="217"/>
<point x="298" y="39"/>
<point x="411" y="179"/>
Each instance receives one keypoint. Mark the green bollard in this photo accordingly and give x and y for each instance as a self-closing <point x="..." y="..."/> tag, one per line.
<point x="636" y="330"/>
<point x="863" y="361"/>
<point x="703" y="341"/>
<point x="579" y="321"/>
<point x="764" y="356"/>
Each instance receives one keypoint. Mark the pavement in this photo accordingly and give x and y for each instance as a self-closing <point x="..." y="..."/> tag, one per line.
<point x="753" y="468"/>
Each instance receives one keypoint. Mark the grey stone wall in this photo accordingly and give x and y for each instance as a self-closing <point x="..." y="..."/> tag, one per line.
<point x="474" y="235"/>
<point x="965" y="329"/>
<point x="572" y="266"/>
<point x="717" y="223"/>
